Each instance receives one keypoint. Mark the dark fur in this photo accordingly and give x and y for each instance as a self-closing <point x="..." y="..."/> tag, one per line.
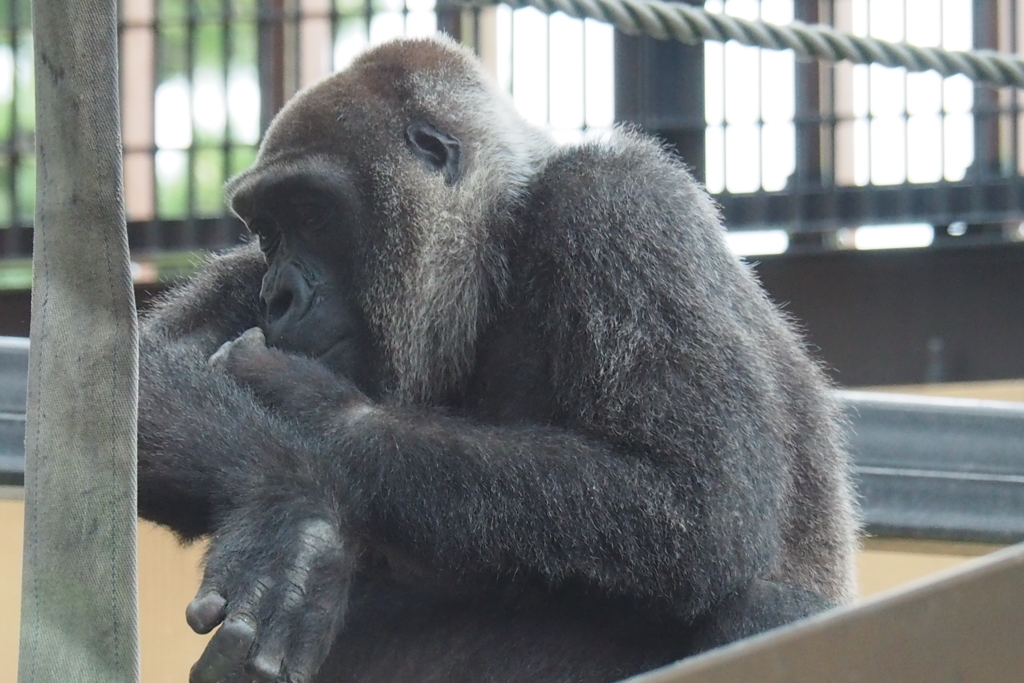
<point x="556" y="431"/>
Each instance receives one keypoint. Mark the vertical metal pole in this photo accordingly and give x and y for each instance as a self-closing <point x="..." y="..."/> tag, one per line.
<point x="79" y="602"/>
<point x="986" y="98"/>
<point x="659" y="84"/>
<point x="270" y="28"/>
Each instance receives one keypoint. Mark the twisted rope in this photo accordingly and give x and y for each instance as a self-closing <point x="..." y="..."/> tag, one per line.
<point x="689" y="24"/>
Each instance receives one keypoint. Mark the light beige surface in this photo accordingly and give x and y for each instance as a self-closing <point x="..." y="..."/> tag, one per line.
<point x="168" y="578"/>
<point x="12" y="519"/>
<point x="886" y="564"/>
<point x="1002" y="390"/>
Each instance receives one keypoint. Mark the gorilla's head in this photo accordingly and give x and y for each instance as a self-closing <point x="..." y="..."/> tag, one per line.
<point x="378" y="195"/>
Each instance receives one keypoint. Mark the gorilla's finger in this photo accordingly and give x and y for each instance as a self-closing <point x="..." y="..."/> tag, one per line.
<point x="206" y="611"/>
<point x="253" y="337"/>
<point x="251" y="340"/>
<point x="312" y="639"/>
<point x="266" y="664"/>
<point x="224" y="652"/>
<point x="230" y="646"/>
<point x="220" y="357"/>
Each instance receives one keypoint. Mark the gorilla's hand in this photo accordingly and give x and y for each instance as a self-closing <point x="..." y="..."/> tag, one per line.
<point x="299" y="386"/>
<point x="245" y="346"/>
<point x="278" y="584"/>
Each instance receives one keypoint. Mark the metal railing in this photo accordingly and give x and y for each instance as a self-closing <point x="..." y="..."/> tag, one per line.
<point x="806" y="147"/>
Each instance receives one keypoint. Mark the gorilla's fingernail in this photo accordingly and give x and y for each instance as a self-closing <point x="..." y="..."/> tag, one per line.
<point x="254" y="334"/>
<point x="220" y="356"/>
<point x="205" y="612"/>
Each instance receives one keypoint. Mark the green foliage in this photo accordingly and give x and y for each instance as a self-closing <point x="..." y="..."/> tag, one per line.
<point x="208" y="170"/>
<point x="15" y="14"/>
<point x="17" y="118"/>
<point x="213" y="39"/>
<point x="204" y="41"/>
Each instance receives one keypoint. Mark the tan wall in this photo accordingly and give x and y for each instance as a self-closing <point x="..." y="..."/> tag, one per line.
<point x="11" y="521"/>
<point x="997" y="390"/>
<point x="885" y="564"/>
<point x="168" y="578"/>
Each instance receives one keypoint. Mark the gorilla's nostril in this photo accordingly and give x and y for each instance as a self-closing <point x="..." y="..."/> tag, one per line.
<point x="279" y="305"/>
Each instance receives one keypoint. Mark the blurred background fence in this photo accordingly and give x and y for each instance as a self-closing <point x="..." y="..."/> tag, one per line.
<point x="884" y="209"/>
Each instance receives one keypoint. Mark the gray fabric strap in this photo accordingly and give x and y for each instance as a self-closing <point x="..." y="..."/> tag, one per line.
<point x="79" y="605"/>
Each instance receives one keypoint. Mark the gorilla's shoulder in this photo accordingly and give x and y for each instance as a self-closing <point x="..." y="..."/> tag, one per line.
<point x="626" y="188"/>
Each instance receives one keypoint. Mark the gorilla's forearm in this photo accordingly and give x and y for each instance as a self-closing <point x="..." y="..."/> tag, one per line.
<point x="217" y="304"/>
<point x="466" y="499"/>
<point x="190" y="465"/>
<point x="463" y="500"/>
<point x="480" y="501"/>
<point x="204" y="442"/>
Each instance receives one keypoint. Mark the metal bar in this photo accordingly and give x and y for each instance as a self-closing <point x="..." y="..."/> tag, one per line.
<point x="15" y="156"/>
<point x="939" y="468"/>
<point x="271" y="59"/>
<point x="949" y="469"/>
<point x="660" y="86"/>
<point x="449" y="18"/>
<point x="151" y="240"/>
<point x="936" y="203"/>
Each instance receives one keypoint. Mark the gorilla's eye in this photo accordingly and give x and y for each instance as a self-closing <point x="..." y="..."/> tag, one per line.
<point x="308" y="212"/>
<point x="269" y="237"/>
<point x="439" y="151"/>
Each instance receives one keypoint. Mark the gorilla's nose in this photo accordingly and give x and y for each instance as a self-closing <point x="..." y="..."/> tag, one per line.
<point x="287" y="295"/>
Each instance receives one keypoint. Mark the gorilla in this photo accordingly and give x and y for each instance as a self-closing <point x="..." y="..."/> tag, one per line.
<point x="473" y="406"/>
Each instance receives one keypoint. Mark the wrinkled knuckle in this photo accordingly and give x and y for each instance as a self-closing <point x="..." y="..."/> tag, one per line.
<point x="260" y="586"/>
<point x="242" y="619"/>
<point x="263" y="668"/>
<point x="293" y="594"/>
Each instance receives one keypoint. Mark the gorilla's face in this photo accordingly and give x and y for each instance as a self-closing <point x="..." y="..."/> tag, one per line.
<point x="314" y="213"/>
<point x="308" y="222"/>
<point x="379" y="195"/>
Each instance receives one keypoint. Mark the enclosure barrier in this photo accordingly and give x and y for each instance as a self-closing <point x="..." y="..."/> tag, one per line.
<point x="964" y="627"/>
<point x="690" y="24"/>
<point x="945" y="469"/>
<point x="78" y="596"/>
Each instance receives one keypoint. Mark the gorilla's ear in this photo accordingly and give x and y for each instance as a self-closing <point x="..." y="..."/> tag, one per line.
<point x="438" y="150"/>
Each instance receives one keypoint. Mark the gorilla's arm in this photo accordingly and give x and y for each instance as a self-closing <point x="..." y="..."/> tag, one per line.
<point x="190" y="464"/>
<point x="217" y="304"/>
<point x="463" y="505"/>
<point x="468" y="502"/>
